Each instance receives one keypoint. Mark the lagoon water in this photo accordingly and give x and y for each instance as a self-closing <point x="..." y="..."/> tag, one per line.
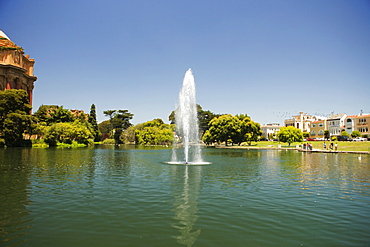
<point x="126" y="196"/>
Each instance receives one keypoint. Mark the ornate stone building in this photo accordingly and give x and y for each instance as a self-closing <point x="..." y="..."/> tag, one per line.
<point x="16" y="69"/>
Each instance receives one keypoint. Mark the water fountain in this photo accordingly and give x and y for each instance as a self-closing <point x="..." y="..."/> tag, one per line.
<point x="187" y="130"/>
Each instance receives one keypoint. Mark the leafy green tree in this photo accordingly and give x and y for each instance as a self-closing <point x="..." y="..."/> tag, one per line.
<point x="204" y="117"/>
<point x="222" y="128"/>
<point x="290" y="134"/>
<point x="355" y="134"/>
<point x="119" y="121"/>
<point x="306" y="134"/>
<point x="67" y="133"/>
<point x="208" y="139"/>
<point x="51" y="114"/>
<point x="237" y="129"/>
<point x="94" y="123"/>
<point x="251" y="130"/>
<point x="154" y="132"/>
<point x="326" y="134"/>
<point x="15" y="118"/>
<point x="344" y="133"/>
<point x="12" y="101"/>
<point x="15" y="126"/>
<point x="129" y="135"/>
<point x="105" y="128"/>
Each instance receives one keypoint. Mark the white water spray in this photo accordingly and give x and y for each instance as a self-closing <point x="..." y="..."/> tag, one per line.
<point x="187" y="130"/>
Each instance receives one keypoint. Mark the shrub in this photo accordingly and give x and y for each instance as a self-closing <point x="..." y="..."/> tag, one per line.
<point x="2" y="142"/>
<point x="109" y="141"/>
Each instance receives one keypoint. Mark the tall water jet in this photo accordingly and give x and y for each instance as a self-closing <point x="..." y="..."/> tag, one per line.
<point x="187" y="130"/>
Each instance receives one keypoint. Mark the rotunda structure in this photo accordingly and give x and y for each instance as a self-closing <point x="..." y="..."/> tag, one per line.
<point x="16" y="69"/>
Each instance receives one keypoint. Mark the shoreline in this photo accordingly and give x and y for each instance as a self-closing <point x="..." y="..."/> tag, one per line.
<point x="292" y="148"/>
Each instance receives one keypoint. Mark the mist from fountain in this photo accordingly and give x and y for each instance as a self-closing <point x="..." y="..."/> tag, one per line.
<point x="187" y="130"/>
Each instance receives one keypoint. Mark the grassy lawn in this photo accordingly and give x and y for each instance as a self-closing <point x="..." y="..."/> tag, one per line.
<point x="342" y="146"/>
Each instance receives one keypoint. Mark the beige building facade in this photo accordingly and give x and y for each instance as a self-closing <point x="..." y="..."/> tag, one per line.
<point x="302" y="121"/>
<point x="359" y="122"/>
<point x="16" y="68"/>
<point x="318" y="129"/>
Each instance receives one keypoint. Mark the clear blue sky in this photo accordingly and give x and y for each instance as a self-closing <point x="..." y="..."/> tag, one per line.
<point x="268" y="59"/>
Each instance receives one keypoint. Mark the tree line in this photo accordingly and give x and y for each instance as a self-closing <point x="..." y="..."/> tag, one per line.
<point x="54" y="125"/>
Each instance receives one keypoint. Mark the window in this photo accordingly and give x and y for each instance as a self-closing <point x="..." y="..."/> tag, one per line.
<point x="321" y="132"/>
<point x="313" y="125"/>
<point x="313" y="133"/>
<point x="321" y="124"/>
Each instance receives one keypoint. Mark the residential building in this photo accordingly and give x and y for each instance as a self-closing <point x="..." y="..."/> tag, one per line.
<point x="16" y="69"/>
<point x="318" y="129"/>
<point x="302" y="121"/>
<point x="349" y="125"/>
<point x="270" y="131"/>
<point x="359" y="122"/>
<point x="336" y="124"/>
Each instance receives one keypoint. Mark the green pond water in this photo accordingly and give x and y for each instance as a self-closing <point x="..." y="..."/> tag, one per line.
<point x="127" y="196"/>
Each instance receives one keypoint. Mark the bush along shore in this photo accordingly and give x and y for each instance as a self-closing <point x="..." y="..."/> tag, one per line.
<point x="316" y="146"/>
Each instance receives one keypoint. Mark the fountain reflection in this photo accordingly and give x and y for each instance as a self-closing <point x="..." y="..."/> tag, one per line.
<point x="186" y="206"/>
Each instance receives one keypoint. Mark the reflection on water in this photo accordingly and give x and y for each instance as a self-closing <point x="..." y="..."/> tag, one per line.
<point x="186" y="205"/>
<point x="14" y="174"/>
<point x="111" y="196"/>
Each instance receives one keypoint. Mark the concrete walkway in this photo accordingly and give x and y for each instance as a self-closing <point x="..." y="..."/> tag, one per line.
<point x="297" y="149"/>
<point x="332" y="151"/>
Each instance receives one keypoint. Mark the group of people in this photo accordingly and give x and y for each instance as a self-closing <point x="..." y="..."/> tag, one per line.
<point x="307" y="146"/>
<point x="331" y="145"/>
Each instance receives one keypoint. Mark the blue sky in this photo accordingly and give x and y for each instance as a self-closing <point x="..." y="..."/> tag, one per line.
<point x="268" y="59"/>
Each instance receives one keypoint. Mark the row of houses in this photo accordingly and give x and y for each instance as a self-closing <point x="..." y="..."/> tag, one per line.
<point x="316" y="125"/>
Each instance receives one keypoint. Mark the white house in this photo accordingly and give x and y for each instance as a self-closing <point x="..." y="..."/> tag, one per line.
<point x="270" y="130"/>
<point x="336" y="124"/>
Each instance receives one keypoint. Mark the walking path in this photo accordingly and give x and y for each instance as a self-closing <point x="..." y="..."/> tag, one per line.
<point x="332" y="151"/>
<point x="298" y="149"/>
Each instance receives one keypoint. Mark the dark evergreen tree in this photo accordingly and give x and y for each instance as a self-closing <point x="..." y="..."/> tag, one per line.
<point x="94" y="123"/>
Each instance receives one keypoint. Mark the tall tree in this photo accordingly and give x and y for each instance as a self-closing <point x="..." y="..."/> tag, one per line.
<point x="15" y="125"/>
<point x="237" y="129"/>
<point x="94" y="123"/>
<point x="15" y="119"/>
<point x="222" y="129"/>
<point x="250" y="130"/>
<point x="119" y="120"/>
